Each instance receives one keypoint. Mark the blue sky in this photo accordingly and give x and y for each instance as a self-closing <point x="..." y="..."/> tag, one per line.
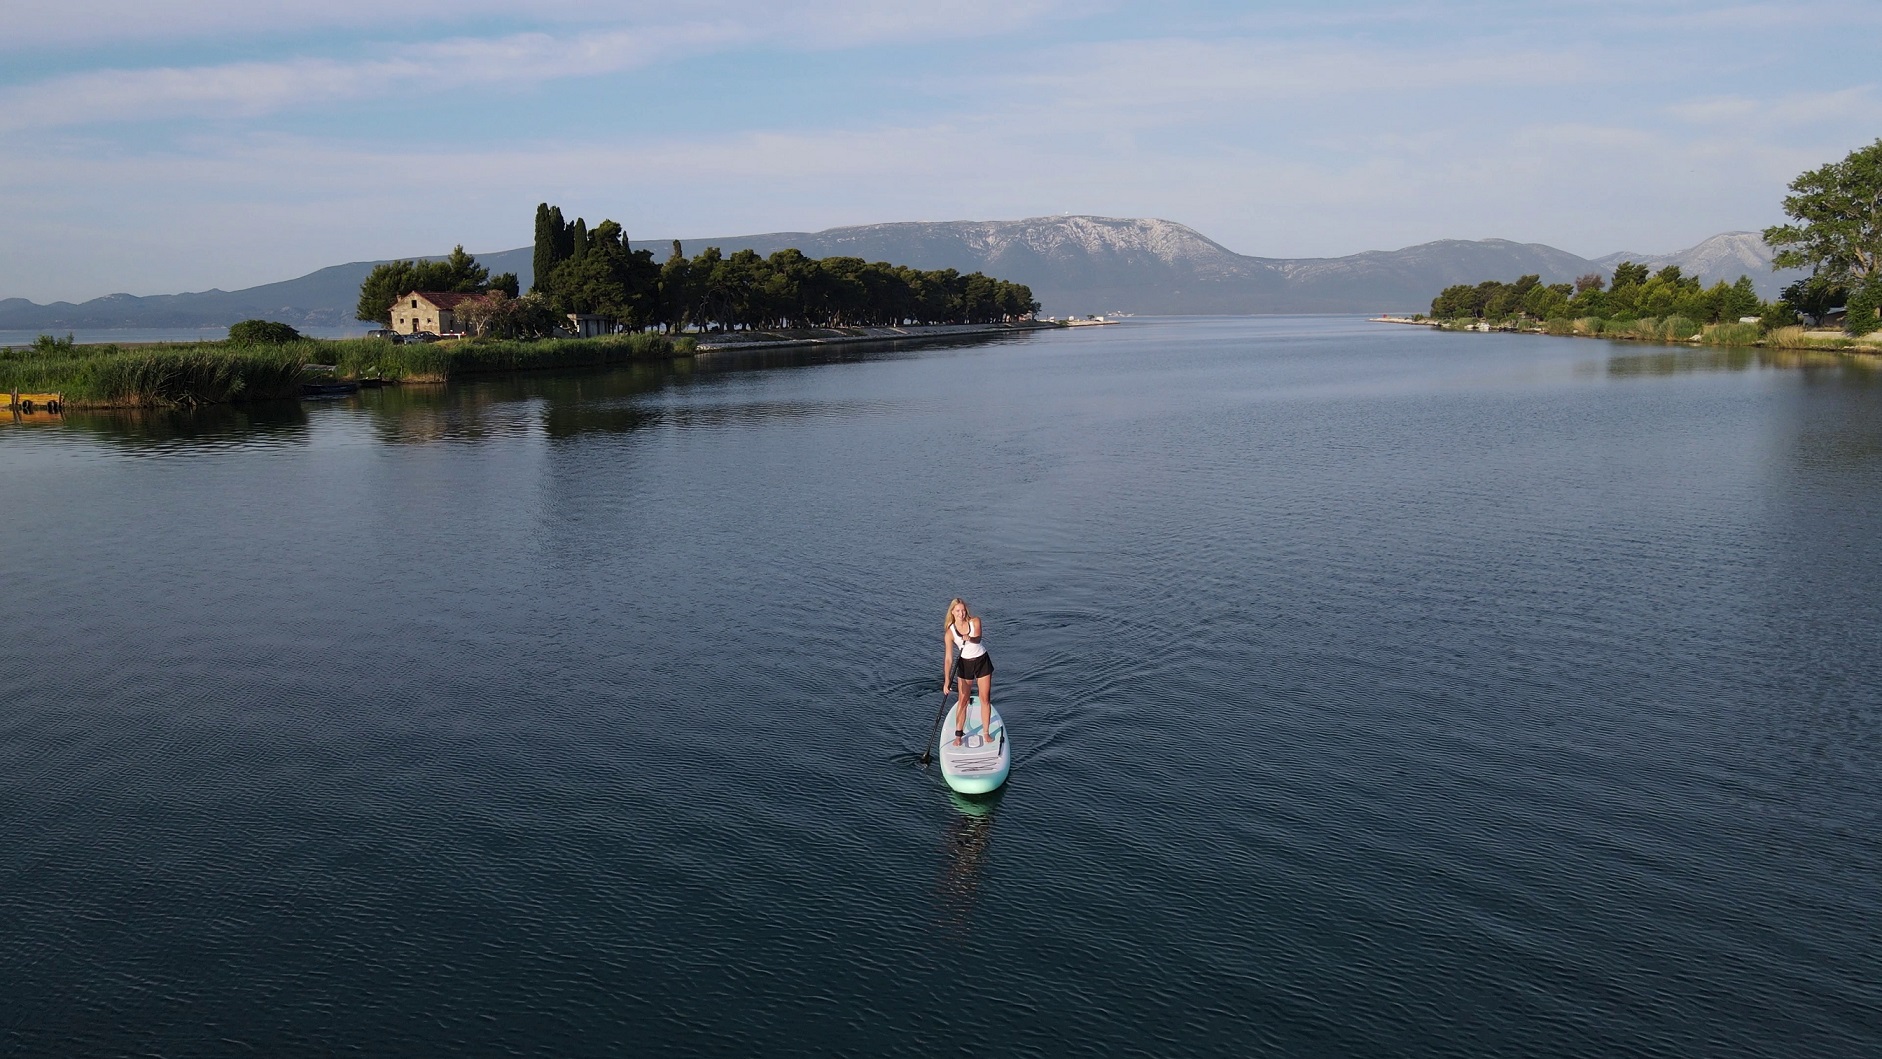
<point x="152" y="147"/>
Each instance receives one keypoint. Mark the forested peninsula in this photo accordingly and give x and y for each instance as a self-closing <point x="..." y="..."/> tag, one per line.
<point x="596" y="273"/>
<point x="1836" y="231"/>
<point x="596" y="301"/>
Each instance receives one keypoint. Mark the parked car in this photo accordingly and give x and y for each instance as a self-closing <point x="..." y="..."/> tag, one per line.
<point x="421" y="336"/>
<point x="383" y="332"/>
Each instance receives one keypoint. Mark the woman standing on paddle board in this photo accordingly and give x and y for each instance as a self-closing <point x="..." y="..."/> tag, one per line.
<point x="964" y="656"/>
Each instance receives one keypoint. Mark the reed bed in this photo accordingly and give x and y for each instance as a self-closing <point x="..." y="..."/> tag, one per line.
<point x="1678" y="328"/>
<point x="167" y="376"/>
<point x="1731" y="335"/>
<point x="202" y="373"/>
<point x="439" y="361"/>
<point x="1800" y="338"/>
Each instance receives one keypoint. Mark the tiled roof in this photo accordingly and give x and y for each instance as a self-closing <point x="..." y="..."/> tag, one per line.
<point x="442" y="299"/>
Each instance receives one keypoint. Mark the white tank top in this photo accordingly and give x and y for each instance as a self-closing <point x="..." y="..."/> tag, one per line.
<point x="967" y="648"/>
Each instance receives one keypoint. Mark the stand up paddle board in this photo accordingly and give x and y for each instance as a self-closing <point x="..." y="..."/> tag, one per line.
<point x="980" y="763"/>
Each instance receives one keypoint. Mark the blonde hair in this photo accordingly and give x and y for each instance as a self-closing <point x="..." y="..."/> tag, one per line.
<point x="966" y="615"/>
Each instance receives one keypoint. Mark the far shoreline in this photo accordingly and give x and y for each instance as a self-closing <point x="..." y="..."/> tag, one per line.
<point x="1825" y="340"/>
<point x="747" y="341"/>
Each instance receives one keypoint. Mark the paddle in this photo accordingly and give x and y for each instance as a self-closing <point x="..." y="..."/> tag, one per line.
<point x="936" y="732"/>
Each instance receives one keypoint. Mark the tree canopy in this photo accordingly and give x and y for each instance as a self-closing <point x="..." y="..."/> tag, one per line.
<point x="1634" y="292"/>
<point x="583" y="270"/>
<point x="459" y="272"/>
<point x="1837" y="215"/>
<point x="595" y="270"/>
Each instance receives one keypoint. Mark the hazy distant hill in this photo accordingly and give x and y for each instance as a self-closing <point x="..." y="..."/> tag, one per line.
<point x="1726" y="256"/>
<point x="1074" y="265"/>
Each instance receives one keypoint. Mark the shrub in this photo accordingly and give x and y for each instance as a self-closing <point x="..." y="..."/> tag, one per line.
<point x="1559" y="325"/>
<point x="262" y="333"/>
<point x="1590" y="325"/>
<point x="1774" y="315"/>
<point x="1678" y="328"/>
<point x="1864" y="309"/>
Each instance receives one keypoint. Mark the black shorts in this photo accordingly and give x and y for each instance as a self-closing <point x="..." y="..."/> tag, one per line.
<point x="974" y="668"/>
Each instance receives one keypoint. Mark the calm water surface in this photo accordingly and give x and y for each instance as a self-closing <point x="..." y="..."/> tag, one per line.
<point x="1375" y="692"/>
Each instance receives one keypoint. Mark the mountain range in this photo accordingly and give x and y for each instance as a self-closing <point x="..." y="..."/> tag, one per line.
<point x="1076" y="265"/>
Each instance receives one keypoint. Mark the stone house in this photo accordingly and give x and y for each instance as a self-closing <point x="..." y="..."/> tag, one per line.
<point x="422" y="310"/>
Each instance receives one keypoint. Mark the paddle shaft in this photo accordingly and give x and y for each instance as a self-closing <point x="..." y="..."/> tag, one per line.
<point x="927" y="749"/>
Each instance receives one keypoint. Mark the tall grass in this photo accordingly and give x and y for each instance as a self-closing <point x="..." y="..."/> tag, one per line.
<point x="1731" y="335"/>
<point x="188" y="374"/>
<point x="1678" y="328"/>
<point x="438" y="361"/>
<point x="1647" y="329"/>
<point x="155" y="376"/>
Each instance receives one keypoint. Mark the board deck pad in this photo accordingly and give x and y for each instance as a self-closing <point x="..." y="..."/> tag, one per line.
<point x="981" y="762"/>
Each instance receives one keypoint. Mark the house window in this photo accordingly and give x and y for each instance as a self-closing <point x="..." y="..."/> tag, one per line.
<point x="414" y="303"/>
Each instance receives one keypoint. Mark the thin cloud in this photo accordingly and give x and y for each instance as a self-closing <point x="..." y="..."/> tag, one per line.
<point x="808" y="23"/>
<point x="1859" y="106"/>
<point x="255" y="88"/>
<point x="250" y="89"/>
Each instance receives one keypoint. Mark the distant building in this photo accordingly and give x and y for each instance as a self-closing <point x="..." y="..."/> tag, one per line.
<point x="426" y="310"/>
<point x="589" y="325"/>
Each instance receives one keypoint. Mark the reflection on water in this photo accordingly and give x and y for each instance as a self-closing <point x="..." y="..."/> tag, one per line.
<point x="1857" y="369"/>
<point x="967" y="843"/>
<point x="179" y="431"/>
<point x="562" y="404"/>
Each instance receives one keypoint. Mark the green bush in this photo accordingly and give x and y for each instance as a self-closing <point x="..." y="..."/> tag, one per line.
<point x="1863" y="314"/>
<point x="1559" y="325"/>
<point x="1777" y="314"/>
<point x="1678" y="328"/>
<point x="263" y="332"/>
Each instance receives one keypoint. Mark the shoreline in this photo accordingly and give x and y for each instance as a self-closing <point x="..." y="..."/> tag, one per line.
<point x="746" y="341"/>
<point x="441" y="363"/>
<point x="1822" y="340"/>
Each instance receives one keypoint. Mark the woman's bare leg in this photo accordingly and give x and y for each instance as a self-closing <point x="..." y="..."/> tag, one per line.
<point x="960" y="718"/>
<point x="986" y="706"/>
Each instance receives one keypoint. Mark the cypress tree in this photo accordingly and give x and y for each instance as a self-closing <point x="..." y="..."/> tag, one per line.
<point x="564" y="238"/>
<point x="578" y="243"/>
<point x="544" y="258"/>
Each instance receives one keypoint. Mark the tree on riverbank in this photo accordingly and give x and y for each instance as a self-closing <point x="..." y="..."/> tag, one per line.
<point x="1634" y="293"/>
<point x="1836" y="232"/>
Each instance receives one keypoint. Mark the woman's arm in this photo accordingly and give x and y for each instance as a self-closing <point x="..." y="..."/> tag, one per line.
<point x="947" y="657"/>
<point x="973" y="630"/>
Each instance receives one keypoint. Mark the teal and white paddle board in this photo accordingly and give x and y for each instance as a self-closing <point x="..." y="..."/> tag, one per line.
<point x="981" y="762"/>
